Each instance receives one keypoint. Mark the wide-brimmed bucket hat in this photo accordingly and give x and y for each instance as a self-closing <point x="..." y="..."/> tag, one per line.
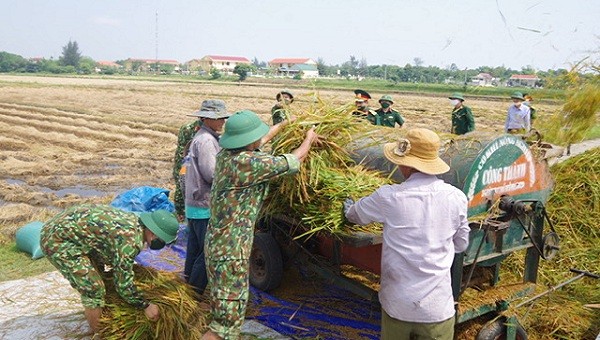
<point x="162" y="223"/>
<point x="517" y="95"/>
<point x="457" y="95"/>
<point x="241" y="129"/>
<point x="418" y="150"/>
<point x="213" y="109"/>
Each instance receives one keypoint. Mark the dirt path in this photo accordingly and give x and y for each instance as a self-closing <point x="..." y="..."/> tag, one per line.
<point x="577" y="149"/>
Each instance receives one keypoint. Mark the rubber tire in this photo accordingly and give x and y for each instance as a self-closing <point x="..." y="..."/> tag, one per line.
<point x="266" y="263"/>
<point x="496" y="330"/>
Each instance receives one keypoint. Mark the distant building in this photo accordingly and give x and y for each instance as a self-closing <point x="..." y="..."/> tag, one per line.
<point x="148" y="65"/>
<point x="103" y="65"/>
<point x="225" y="64"/>
<point x="526" y="80"/>
<point x="483" y="79"/>
<point x="293" y="66"/>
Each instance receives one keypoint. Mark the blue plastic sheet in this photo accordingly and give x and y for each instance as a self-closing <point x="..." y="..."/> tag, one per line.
<point x="143" y="199"/>
<point x="329" y="313"/>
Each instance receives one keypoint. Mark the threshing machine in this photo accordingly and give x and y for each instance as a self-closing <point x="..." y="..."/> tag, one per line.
<point x="507" y="182"/>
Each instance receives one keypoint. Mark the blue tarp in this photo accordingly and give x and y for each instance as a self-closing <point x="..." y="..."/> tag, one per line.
<point x="142" y="199"/>
<point x="328" y="312"/>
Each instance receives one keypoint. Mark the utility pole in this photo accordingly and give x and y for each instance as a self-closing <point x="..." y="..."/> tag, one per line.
<point x="157" y="70"/>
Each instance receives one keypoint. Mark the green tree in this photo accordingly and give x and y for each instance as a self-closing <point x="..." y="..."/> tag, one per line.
<point x="70" y="55"/>
<point x="87" y="65"/>
<point x="321" y="67"/>
<point x="242" y="70"/>
<point x="214" y="73"/>
<point x="11" y="62"/>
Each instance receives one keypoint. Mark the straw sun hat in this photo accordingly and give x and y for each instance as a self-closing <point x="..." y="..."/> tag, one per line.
<point x="419" y="150"/>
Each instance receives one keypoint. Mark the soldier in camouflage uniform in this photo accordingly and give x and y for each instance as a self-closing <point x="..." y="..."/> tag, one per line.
<point x="184" y="137"/>
<point x="81" y="239"/>
<point x="280" y="111"/>
<point x="242" y="176"/>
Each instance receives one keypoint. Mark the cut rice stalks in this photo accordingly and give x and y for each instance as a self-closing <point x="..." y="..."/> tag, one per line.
<point x="181" y="314"/>
<point x="327" y="177"/>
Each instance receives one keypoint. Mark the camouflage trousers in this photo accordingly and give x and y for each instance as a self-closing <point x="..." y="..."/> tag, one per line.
<point x="78" y="268"/>
<point x="229" y="291"/>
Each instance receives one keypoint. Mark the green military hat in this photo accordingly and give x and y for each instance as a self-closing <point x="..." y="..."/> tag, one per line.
<point x="517" y="95"/>
<point x="242" y="129"/>
<point x="213" y="109"/>
<point x="282" y="92"/>
<point x="361" y="95"/>
<point x="386" y="97"/>
<point x="161" y="223"/>
<point x="457" y="95"/>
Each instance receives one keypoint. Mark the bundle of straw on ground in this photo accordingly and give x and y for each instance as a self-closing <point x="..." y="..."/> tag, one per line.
<point x="328" y="176"/>
<point x="574" y="208"/>
<point x="181" y="314"/>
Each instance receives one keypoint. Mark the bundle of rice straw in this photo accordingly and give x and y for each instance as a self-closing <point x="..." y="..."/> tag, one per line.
<point x="181" y="315"/>
<point x="328" y="176"/>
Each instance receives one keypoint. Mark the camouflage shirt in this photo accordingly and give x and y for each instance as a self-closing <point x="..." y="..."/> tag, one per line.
<point x="115" y="235"/>
<point x="238" y="191"/>
<point x="279" y="114"/>
<point x="185" y="136"/>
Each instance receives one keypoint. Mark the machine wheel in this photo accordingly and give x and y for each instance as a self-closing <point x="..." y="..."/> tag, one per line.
<point x="550" y="245"/>
<point x="496" y="330"/>
<point x="266" y="263"/>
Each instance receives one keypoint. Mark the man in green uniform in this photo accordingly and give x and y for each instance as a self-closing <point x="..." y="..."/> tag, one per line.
<point x="81" y="239"/>
<point x="242" y="175"/>
<point x="280" y="111"/>
<point x="361" y="101"/>
<point x="385" y="115"/>
<point x="462" y="117"/>
<point x="184" y="138"/>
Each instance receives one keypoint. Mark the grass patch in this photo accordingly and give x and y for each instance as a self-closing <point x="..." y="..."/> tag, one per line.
<point x="593" y="133"/>
<point x="15" y="264"/>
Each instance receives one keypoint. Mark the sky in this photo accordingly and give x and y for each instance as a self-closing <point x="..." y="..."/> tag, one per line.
<point x="543" y="34"/>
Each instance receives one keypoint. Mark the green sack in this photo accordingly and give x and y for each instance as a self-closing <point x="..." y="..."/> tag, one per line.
<point x="28" y="239"/>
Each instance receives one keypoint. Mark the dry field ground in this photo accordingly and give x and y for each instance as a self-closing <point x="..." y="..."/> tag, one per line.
<point x="69" y="140"/>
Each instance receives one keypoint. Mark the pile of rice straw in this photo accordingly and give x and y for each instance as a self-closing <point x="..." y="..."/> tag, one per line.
<point x="574" y="209"/>
<point x="328" y="176"/>
<point x="181" y="315"/>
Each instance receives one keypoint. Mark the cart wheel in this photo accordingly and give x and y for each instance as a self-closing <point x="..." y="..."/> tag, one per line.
<point x="266" y="263"/>
<point x="496" y="330"/>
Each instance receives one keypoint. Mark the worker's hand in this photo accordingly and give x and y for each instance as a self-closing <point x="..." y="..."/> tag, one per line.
<point x="152" y="312"/>
<point x="347" y="204"/>
<point x="315" y="139"/>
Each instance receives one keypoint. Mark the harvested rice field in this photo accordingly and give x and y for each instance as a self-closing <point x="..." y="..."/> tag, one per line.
<point x="65" y="141"/>
<point x="72" y="140"/>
